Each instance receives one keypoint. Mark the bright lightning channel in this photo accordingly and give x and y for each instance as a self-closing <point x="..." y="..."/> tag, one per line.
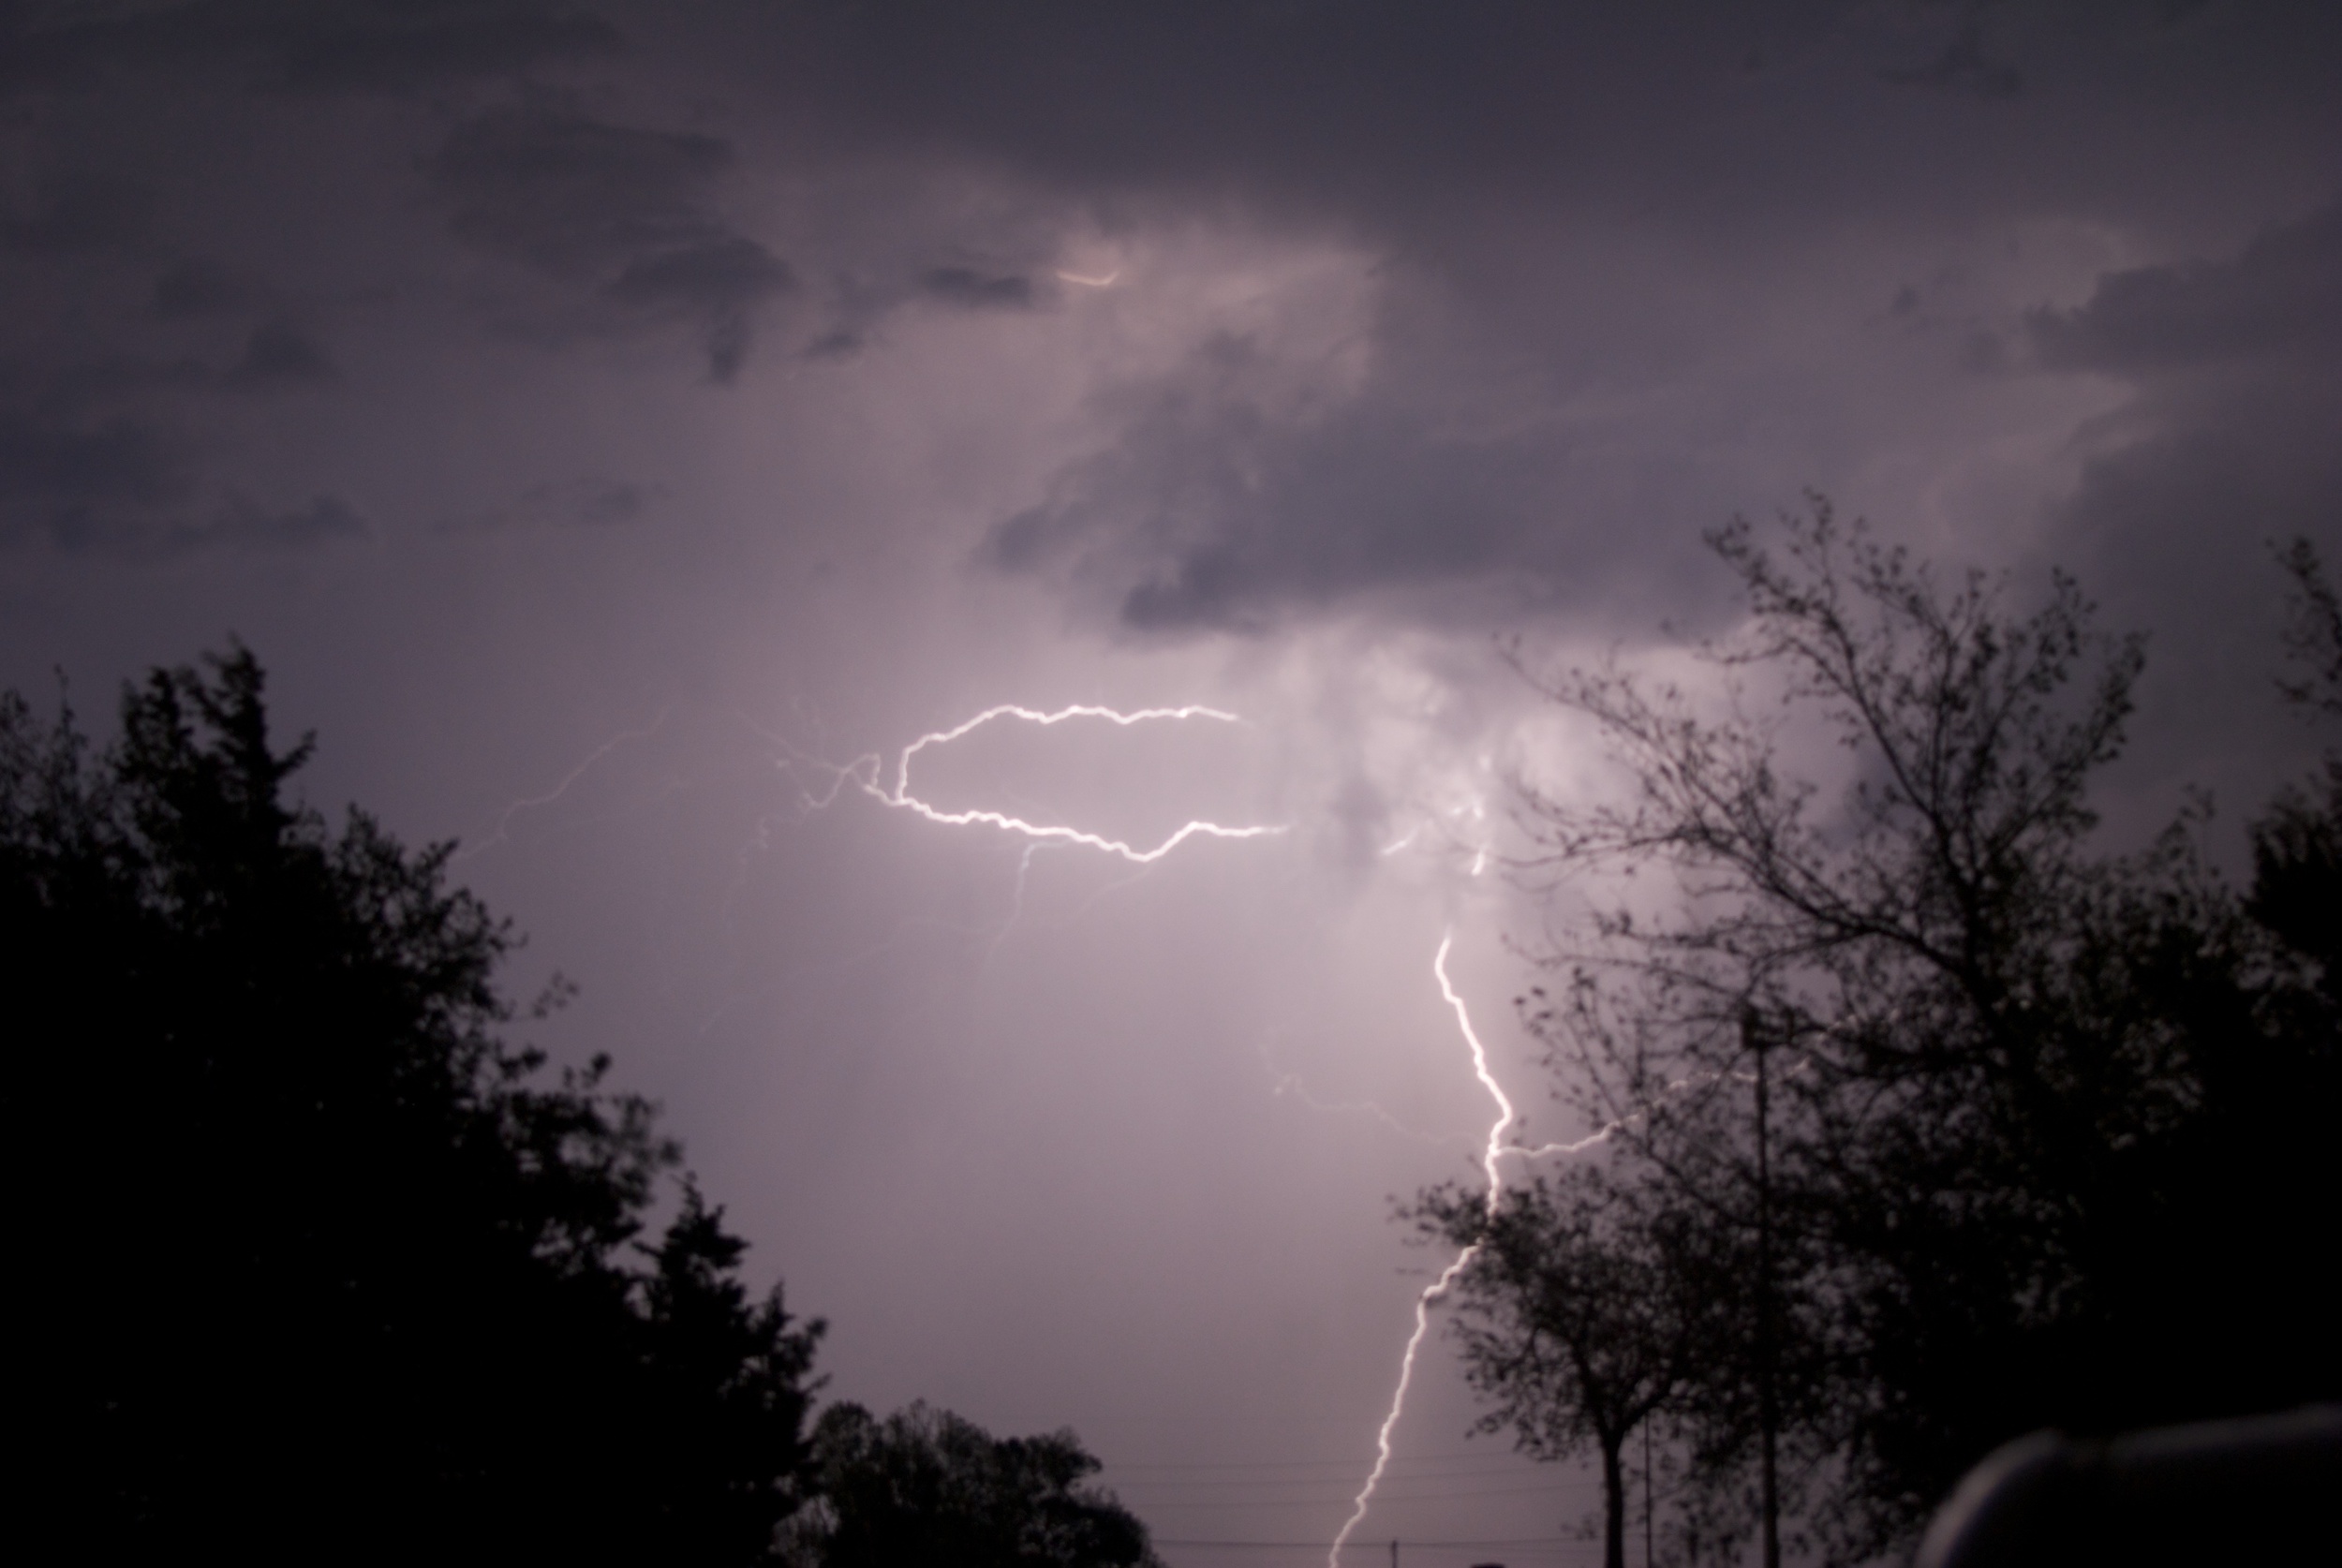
<point x="1494" y="1151"/>
<point x="864" y="773"/>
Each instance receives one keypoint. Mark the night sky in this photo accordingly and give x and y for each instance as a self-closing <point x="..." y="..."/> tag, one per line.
<point x="621" y="431"/>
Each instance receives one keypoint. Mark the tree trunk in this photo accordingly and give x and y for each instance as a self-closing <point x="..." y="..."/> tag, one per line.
<point x="1613" y="1504"/>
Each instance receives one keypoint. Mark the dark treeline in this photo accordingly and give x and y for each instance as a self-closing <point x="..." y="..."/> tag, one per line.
<point x="315" y="1266"/>
<point x="1935" y="1121"/>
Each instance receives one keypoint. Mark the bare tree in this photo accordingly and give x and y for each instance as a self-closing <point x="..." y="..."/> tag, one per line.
<point x="1940" y="956"/>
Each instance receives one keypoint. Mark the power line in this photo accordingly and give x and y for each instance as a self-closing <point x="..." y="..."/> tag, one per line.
<point x="1404" y="1543"/>
<point x="1475" y="1455"/>
<point x="1240" y="1493"/>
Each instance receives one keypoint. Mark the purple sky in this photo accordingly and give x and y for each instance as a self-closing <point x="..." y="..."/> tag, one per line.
<point x="608" y="422"/>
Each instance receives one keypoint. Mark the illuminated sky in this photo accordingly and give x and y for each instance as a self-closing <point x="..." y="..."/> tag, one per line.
<point x="612" y="424"/>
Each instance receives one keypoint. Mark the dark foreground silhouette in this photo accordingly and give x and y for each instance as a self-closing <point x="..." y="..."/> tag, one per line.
<point x="314" y="1266"/>
<point x="1933" y="1119"/>
<point x="2253" y="1490"/>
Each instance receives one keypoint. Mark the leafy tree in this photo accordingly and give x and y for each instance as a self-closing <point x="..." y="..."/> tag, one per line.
<point x="314" y="1264"/>
<point x="2043" y="1156"/>
<point x="1585" y="1306"/>
<point x="926" y="1485"/>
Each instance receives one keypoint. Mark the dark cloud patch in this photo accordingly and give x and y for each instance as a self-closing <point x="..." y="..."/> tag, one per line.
<point x="582" y="503"/>
<point x="195" y="289"/>
<point x="277" y="357"/>
<point x="620" y="210"/>
<point x="67" y="213"/>
<point x="720" y="275"/>
<point x="716" y="282"/>
<point x="1394" y="115"/>
<point x="2229" y="443"/>
<point x="322" y="46"/>
<point x="280" y="357"/>
<point x="568" y="193"/>
<point x="409" y="47"/>
<point x="841" y="343"/>
<point x="1213" y="514"/>
<point x="971" y="290"/>
<point x="1963" y="67"/>
<point x="119" y="487"/>
<point x="2282" y="297"/>
<point x="237" y="523"/>
<point x="74" y="483"/>
<point x="59" y="466"/>
<point x="240" y="524"/>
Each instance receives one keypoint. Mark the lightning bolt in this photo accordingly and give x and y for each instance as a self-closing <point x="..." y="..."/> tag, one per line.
<point x="1438" y="1288"/>
<point x="1296" y="1086"/>
<point x="868" y="775"/>
<point x="1495" y="1150"/>
<point x="528" y="802"/>
<point x="864" y="773"/>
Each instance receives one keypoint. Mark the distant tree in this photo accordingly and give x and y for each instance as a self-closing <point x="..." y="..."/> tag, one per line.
<point x="926" y="1486"/>
<point x="313" y="1265"/>
<point x="2297" y="846"/>
<point x="2043" y="1156"/>
<point x="1585" y="1307"/>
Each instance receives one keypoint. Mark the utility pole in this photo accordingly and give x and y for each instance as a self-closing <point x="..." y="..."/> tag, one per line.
<point x="1646" y="1494"/>
<point x="1394" y="1553"/>
<point x="1754" y="1038"/>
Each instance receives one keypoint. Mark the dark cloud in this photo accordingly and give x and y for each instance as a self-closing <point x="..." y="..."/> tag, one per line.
<point x="280" y="357"/>
<point x="195" y="289"/>
<point x="49" y="470"/>
<point x="240" y="524"/>
<point x="68" y="213"/>
<point x="1412" y="322"/>
<point x="404" y="48"/>
<point x="119" y="488"/>
<point x="236" y="524"/>
<point x="1397" y="115"/>
<point x="716" y="281"/>
<point x="1216" y="511"/>
<point x="276" y="357"/>
<point x="621" y="209"/>
<point x="2228" y="444"/>
<point x="964" y="285"/>
<point x="587" y="503"/>
<point x="1963" y="67"/>
<point x="383" y="46"/>
<point x="2281" y="297"/>
<point x="568" y="193"/>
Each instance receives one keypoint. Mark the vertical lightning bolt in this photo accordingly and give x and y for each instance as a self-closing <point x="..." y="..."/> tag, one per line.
<point x="1438" y="1288"/>
<point x="868" y="775"/>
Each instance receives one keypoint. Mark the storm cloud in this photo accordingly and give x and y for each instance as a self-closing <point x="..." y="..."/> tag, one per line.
<point x="624" y="428"/>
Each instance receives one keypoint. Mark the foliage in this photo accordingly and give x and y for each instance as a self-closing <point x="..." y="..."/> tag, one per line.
<point x="926" y="1485"/>
<point x="316" y="1265"/>
<point x="2043" y="1129"/>
<point x="1587" y="1306"/>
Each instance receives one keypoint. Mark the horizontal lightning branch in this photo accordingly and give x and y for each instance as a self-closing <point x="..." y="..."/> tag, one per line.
<point x="864" y="772"/>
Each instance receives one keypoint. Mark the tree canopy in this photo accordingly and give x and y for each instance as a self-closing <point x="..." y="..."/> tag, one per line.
<point x="2044" y="1145"/>
<point x="318" y="1266"/>
<point x="926" y="1485"/>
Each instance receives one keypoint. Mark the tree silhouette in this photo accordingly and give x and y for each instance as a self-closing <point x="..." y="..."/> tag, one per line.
<point x="1585" y="1306"/>
<point x="2045" y="1146"/>
<point x="316" y="1265"/>
<point x="926" y="1485"/>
